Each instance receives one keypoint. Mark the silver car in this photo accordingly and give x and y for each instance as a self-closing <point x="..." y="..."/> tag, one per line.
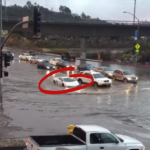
<point x="125" y="75"/>
<point x="106" y="71"/>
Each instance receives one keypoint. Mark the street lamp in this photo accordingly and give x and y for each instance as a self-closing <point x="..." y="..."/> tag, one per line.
<point x="138" y="22"/>
<point x="138" y="27"/>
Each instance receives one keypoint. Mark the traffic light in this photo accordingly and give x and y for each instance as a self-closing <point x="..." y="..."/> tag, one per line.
<point x="6" y="60"/>
<point x="36" y="21"/>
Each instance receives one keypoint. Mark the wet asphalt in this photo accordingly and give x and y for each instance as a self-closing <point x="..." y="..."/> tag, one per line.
<point x="25" y="111"/>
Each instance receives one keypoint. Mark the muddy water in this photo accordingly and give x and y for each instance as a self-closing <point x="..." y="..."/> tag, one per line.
<point x="26" y="111"/>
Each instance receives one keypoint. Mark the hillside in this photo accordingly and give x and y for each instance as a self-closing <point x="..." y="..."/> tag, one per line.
<point x="46" y="14"/>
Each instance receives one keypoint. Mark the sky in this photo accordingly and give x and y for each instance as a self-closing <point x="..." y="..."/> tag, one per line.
<point x="103" y="9"/>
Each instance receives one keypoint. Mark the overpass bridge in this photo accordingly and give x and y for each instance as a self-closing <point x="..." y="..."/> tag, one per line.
<point x="82" y="28"/>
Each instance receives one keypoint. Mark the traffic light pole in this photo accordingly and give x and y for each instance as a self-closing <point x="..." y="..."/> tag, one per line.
<point x="2" y="45"/>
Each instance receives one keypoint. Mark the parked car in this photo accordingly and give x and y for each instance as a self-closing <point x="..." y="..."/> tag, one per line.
<point x="99" y="79"/>
<point x="54" y="61"/>
<point x="124" y="75"/>
<point x="36" y="59"/>
<point x="106" y="71"/>
<point x="45" y="65"/>
<point x="68" y="56"/>
<point x="66" y="81"/>
<point x="64" y="64"/>
<point x="9" y="54"/>
<point x="84" y="67"/>
<point x="25" y="56"/>
<point x="84" y="137"/>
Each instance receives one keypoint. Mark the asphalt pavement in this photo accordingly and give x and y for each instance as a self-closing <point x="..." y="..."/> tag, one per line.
<point x="25" y="111"/>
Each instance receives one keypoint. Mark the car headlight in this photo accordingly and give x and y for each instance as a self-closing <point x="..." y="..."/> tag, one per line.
<point x="136" y="78"/>
<point x="67" y="66"/>
<point x="100" y="81"/>
<point x="129" y="78"/>
<point x="13" y="54"/>
<point x="143" y="148"/>
<point x="47" y="67"/>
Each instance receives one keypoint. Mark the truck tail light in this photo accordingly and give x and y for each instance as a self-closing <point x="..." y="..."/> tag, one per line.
<point x="26" y="142"/>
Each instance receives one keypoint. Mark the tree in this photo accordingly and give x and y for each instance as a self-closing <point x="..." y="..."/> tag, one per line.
<point x="64" y="9"/>
<point x="61" y="8"/>
<point x="83" y="15"/>
<point x="29" y="4"/>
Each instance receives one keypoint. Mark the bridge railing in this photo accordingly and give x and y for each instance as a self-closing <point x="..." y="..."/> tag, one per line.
<point x="81" y="21"/>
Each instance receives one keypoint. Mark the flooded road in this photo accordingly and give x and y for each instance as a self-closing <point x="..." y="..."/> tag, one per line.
<point x="26" y="111"/>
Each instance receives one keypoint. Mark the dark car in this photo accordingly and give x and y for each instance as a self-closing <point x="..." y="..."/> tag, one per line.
<point x="64" y="64"/>
<point x="83" y="67"/>
<point x="45" y="65"/>
<point x="68" y="56"/>
<point x="9" y="54"/>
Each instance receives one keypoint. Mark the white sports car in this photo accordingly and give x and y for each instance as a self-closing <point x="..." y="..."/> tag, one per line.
<point x="66" y="81"/>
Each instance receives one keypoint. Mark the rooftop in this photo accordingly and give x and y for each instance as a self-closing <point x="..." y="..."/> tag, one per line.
<point x="93" y="128"/>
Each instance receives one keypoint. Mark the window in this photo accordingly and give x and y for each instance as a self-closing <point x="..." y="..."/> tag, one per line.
<point x="116" y="71"/>
<point x="88" y="74"/>
<point x="108" y="69"/>
<point x="127" y="73"/>
<point x="69" y="80"/>
<point x="79" y="133"/>
<point x="108" y="138"/>
<point x="99" y="138"/>
<point x="96" y="76"/>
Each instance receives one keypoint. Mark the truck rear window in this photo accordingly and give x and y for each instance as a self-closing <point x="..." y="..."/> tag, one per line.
<point x="79" y="133"/>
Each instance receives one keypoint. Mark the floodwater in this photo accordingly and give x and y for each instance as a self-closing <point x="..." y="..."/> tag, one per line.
<point x="25" y="111"/>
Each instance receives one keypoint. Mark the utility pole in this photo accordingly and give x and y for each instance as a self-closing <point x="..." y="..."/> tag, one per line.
<point x="1" y="55"/>
<point x="134" y="11"/>
<point x="5" y="8"/>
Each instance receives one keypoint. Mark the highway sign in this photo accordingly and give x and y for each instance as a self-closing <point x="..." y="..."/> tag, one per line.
<point x="137" y="46"/>
<point x="136" y="35"/>
<point x="137" y="50"/>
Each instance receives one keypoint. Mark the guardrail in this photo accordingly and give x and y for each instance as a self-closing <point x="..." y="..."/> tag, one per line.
<point x="81" y="21"/>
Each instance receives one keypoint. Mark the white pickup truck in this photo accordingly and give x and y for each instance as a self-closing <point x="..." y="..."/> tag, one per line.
<point x="84" y="137"/>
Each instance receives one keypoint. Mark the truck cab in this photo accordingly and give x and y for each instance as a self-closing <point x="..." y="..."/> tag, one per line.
<point x="97" y="138"/>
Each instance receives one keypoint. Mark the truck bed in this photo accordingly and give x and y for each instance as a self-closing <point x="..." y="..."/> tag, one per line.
<point x="56" y="140"/>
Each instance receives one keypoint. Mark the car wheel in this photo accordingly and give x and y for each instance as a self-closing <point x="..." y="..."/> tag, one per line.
<point x="78" y="70"/>
<point x="54" y="81"/>
<point x="63" y="85"/>
<point x="80" y="81"/>
<point x="109" y="85"/>
<point x="125" y="80"/>
<point x="95" y="84"/>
